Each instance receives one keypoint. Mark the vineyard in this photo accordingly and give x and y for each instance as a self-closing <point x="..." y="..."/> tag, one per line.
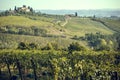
<point x="59" y="65"/>
<point x="37" y="46"/>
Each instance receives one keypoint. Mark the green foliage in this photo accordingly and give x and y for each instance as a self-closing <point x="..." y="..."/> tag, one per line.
<point x="99" y="41"/>
<point x="36" y="31"/>
<point x="48" y="47"/>
<point x="75" y="47"/>
<point x="117" y="37"/>
<point x="60" y="65"/>
<point x="24" y="46"/>
<point x="76" y="14"/>
<point x="32" y="46"/>
<point x="51" y="46"/>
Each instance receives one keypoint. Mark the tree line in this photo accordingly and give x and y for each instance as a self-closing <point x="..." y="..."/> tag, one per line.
<point x="99" y="41"/>
<point x="35" y="31"/>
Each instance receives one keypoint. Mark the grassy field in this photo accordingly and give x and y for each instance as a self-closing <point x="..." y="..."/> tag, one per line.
<point x="81" y="26"/>
<point x="22" y="21"/>
<point x="113" y="24"/>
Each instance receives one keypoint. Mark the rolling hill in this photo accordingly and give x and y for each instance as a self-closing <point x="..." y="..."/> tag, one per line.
<point x="55" y="30"/>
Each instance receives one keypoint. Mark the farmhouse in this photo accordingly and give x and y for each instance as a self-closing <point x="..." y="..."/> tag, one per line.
<point x="23" y="9"/>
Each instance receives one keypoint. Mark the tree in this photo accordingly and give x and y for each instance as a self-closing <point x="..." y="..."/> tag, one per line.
<point x="10" y="9"/>
<point x="15" y="9"/>
<point x="103" y="45"/>
<point x="28" y="7"/>
<point x="76" y="14"/>
<point x="31" y="9"/>
<point x="6" y="13"/>
<point x="94" y="16"/>
<point x="75" y="47"/>
<point x="22" y="46"/>
<point x="117" y="36"/>
<point x="110" y="44"/>
<point x="103" y="42"/>
<point x="32" y="46"/>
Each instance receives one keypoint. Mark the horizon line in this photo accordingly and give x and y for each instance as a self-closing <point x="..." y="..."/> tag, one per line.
<point x="73" y="9"/>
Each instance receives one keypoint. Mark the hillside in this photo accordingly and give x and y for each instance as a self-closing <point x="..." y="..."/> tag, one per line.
<point x="74" y="26"/>
<point x="44" y="29"/>
<point x="113" y="24"/>
<point x="81" y="26"/>
<point x="27" y="22"/>
<point x="54" y="47"/>
<point x="22" y="21"/>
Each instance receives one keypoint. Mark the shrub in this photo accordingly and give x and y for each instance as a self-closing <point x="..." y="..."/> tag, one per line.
<point x="75" y="47"/>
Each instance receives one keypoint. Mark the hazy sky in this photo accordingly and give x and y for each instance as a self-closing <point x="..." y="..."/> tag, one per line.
<point x="61" y="4"/>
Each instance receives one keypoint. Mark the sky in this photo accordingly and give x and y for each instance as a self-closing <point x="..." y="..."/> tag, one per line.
<point x="61" y="4"/>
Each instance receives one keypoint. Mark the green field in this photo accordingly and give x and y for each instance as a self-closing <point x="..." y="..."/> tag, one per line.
<point x="81" y="26"/>
<point x="22" y="21"/>
<point x="113" y="24"/>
